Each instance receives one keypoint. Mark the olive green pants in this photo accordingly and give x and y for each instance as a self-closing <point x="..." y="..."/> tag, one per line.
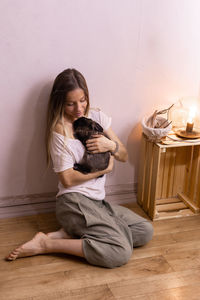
<point x="109" y="232"/>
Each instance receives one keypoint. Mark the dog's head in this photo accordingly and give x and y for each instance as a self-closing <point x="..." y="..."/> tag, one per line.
<point x="84" y="128"/>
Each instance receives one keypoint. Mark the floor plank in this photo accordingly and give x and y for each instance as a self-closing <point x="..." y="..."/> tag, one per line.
<point x="168" y="267"/>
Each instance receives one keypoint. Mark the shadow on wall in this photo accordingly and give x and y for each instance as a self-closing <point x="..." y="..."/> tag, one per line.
<point x="133" y="147"/>
<point x="27" y="169"/>
<point x="36" y="168"/>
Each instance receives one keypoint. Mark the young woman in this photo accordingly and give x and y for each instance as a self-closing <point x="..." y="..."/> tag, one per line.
<point x="102" y="233"/>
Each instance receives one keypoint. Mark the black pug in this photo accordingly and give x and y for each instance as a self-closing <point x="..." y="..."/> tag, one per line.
<point x="84" y="128"/>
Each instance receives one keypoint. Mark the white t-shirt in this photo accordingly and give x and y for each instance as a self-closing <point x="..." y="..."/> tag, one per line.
<point x="65" y="152"/>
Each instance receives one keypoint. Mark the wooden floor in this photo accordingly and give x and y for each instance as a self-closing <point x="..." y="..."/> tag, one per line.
<point x="167" y="268"/>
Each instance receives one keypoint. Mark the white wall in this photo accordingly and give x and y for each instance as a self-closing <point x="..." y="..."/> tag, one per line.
<point x="137" y="56"/>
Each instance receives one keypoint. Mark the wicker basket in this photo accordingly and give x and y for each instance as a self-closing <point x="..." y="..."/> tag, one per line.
<point x="155" y="134"/>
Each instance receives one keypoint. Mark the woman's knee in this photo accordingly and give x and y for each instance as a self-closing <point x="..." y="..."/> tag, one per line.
<point x="148" y="230"/>
<point x="143" y="234"/>
<point x="121" y="256"/>
<point x="111" y="256"/>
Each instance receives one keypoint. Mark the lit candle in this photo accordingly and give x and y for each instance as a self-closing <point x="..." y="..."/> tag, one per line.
<point x="190" y="121"/>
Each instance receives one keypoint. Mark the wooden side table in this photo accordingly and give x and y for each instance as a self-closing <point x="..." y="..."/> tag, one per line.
<point x="169" y="179"/>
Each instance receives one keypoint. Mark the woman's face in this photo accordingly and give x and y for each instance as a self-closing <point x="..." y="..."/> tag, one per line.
<point x="76" y="104"/>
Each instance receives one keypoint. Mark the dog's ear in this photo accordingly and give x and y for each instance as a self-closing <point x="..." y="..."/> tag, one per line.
<point x="80" y="122"/>
<point x="97" y="127"/>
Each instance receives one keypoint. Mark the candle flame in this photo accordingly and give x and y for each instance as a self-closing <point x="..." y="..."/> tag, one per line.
<point x="192" y="112"/>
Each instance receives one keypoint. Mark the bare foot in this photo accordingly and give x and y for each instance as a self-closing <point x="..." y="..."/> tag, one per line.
<point x="60" y="234"/>
<point x="30" y="248"/>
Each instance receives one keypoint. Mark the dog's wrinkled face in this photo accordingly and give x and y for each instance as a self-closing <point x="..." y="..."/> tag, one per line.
<point x="84" y="128"/>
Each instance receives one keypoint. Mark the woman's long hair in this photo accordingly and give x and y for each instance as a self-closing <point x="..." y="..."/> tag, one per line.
<point x="65" y="82"/>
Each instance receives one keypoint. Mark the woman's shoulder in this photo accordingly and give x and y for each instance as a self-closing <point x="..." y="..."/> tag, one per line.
<point x="59" y="129"/>
<point x="100" y="117"/>
<point x="94" y="110"/>
<point x="94" y="114"/>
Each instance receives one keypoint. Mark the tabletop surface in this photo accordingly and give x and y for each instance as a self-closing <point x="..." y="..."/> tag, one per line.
<point x="172" y="140"/>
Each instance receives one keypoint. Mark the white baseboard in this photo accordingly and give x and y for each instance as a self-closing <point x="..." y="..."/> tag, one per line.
<point x="25" y="205"/>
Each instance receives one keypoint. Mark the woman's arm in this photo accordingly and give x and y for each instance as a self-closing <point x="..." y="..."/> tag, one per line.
<point x="102" y="144"/>
<point x="71" y="177"/>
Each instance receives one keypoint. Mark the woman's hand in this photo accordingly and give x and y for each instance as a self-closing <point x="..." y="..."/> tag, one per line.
<point x="100" y="143"/>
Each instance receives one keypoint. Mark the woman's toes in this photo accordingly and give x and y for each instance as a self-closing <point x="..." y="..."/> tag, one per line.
<point x="30" y="248"/>
<point x="11" y="256"/>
